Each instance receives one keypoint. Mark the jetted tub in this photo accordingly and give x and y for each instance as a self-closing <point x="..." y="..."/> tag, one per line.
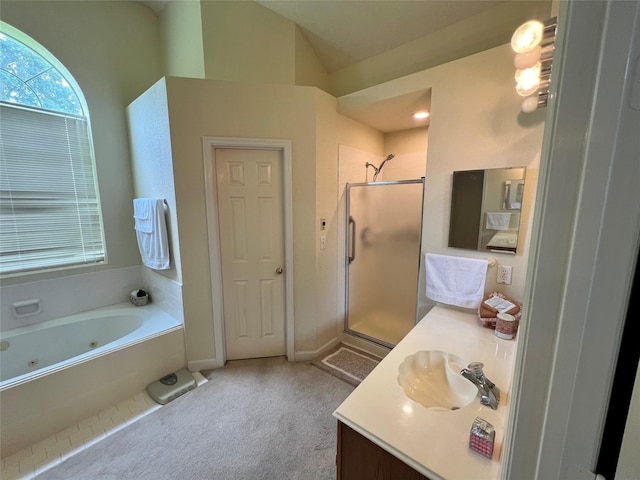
<point x="58" y="372"/>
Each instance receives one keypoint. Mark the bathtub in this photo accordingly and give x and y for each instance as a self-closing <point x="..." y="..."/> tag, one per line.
<point x="58" y="372"/>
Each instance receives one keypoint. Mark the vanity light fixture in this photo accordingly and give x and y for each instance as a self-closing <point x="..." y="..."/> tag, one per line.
<point x="527" y="36"/>
<point x="533" y="43"/>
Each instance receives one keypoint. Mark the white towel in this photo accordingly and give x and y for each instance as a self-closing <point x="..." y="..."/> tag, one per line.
<point x="142" y="208"/>
<point x="498" y="221"/>
<point x="151" y="231"/>
<point x="455" y="280"/>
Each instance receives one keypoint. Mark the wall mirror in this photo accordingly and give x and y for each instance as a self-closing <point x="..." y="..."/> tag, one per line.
<point x="485" y="209"/>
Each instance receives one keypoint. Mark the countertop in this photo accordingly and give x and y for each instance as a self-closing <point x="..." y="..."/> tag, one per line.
<point x="434" y="442"/>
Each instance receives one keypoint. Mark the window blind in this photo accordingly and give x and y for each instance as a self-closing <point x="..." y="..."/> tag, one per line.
<point x="49" y="206"/>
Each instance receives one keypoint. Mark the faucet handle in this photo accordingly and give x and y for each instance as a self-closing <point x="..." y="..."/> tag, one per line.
<point x="489" y="392"/>
<point x="476" y="369"/>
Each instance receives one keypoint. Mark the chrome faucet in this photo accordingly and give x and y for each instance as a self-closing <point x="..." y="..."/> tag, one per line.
<point x="489" y="393"/>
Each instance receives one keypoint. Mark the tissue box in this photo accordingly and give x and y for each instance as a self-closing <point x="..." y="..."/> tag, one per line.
<point x="482" y="437"/>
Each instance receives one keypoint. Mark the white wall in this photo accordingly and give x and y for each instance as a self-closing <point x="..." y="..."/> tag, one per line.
<point x="410" y="149"/>
<point x="244" y="41"/>
<point x="213" y="108"/>
<point x="309" y="71"/>
<point x="182" y="45"/>
<point x="152" y="172"/>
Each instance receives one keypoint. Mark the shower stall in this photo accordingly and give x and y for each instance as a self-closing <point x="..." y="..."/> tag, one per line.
<point x="384" y="225"/>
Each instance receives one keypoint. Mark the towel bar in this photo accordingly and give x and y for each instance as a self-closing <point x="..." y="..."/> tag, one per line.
<point x="490" y="260"/>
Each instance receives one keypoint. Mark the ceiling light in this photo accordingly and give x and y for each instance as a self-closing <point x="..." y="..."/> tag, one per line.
<point x="420" y="115"/>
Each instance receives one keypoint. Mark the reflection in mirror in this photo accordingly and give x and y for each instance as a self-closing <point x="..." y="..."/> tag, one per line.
<point x="513" y="194"/>
<point x="485" y="209"/>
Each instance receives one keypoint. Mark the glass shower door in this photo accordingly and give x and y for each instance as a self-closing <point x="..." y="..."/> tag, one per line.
<point x="383" y="257"/>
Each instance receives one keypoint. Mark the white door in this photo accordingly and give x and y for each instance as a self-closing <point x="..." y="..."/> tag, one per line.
<point x="250" y="215"/>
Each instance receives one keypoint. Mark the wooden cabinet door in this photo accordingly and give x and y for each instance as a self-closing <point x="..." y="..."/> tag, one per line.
<point x="358" y="458"/>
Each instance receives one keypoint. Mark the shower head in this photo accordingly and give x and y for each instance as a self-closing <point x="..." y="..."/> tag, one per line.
<point x="389" y="157"/>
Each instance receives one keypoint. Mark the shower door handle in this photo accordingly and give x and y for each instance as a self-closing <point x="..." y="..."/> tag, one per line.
<point x="352" y="238"/>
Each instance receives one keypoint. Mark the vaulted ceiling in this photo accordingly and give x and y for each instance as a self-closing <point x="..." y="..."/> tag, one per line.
<point x="345" y="32"/>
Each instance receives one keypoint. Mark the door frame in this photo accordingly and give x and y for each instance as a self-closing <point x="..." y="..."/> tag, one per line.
<point x="209" y="144"/>
<point x="583" y="248"/>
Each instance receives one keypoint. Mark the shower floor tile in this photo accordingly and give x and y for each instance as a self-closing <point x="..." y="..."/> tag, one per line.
<point x="47" y="453"/>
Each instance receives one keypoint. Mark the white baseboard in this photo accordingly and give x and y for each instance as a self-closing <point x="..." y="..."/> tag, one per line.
<point x="198" y="365"/>
<point x="309" y="355"/>
<point x="300" y="356"/>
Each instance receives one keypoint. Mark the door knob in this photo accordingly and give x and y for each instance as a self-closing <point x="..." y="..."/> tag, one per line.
<point x="279" y="270"/>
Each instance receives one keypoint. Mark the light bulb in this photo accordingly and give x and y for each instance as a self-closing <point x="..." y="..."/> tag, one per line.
<point x="530" y="104"/>
<point x="528" y="75"/>
<point x="420" y="115"/>
<point x="528" y="80"/>
<point x="527" y="59"/>
<point x="525" y="89"/>
<point x="527" y="36"/>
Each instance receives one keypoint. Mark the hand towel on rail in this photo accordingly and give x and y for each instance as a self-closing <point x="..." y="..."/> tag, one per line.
<point x="142" y="214"/>
<point x="455" y="280"/>
<point x="151" y="232"/>
<point x="498" y="221"/>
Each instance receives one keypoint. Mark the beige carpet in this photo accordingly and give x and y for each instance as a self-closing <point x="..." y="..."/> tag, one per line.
<point x="347" y="363"/>
<point x="265" y="419"/>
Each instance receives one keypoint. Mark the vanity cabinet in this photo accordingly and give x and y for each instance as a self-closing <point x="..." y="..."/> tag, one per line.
<point x="358" y="458"/>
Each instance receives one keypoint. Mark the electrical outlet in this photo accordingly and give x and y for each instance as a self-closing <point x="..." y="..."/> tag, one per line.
<point x="504" y="274"/>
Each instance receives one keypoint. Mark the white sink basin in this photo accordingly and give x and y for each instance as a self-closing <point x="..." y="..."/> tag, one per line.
<point x="432" y="378"/>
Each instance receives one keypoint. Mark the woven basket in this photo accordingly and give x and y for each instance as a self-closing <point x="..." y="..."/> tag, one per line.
<point x="139" y="299"/>
<point x="488" y="314"/>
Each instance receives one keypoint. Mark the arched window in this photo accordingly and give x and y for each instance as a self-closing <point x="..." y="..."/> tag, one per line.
<point x="49" y="205"/>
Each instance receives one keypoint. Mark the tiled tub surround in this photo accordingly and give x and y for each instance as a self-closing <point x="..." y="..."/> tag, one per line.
<point x="32" y="409"/>
<point x="435" y="443"/>
<point x="63" y="296"/>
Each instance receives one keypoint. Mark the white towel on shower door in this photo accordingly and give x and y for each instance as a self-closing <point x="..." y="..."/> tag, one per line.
<point x="151" y="232"/>
<point x="455" y="280"/>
